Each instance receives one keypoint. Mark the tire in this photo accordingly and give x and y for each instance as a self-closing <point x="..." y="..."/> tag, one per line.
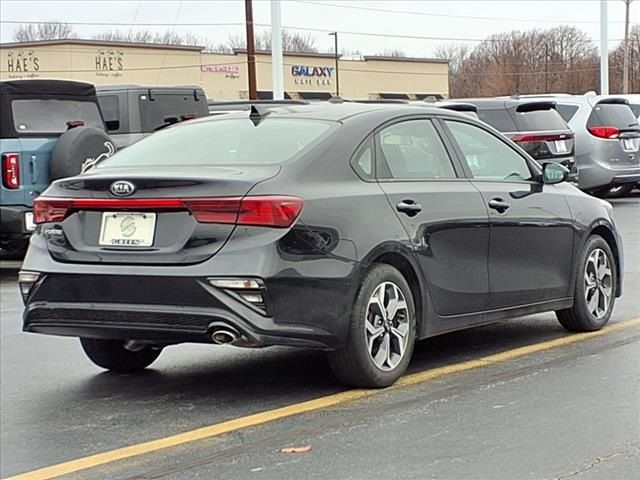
<point x="582" y="316"/>
<point x="75" y="147"/>
<point x="111" y="355"/>
<point x="354" y="364"/>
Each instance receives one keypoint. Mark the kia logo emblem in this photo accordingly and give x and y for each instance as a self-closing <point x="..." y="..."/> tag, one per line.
<point x="122" y="188"/>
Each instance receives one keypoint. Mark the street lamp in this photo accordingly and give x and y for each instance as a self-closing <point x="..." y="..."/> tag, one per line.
<point x="335" y="50"/>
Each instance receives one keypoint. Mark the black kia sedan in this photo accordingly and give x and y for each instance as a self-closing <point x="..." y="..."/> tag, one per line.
<point x="353" y="228"/>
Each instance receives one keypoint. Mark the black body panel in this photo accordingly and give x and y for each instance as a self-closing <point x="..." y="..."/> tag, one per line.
<point x="466" y="266"/>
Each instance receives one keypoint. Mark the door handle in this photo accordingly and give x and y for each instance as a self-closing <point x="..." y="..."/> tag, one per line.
<point x="499" y="205"/>
<point x="409" y="207"/>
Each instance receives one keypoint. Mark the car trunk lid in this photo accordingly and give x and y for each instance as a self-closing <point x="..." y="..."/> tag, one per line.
<point x="123" y="216"/>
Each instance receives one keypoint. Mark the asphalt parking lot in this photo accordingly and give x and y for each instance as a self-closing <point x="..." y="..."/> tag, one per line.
<point x="521" y="399"/>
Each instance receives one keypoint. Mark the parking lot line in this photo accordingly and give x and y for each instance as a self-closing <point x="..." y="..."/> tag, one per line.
<point x="261" y="418"/>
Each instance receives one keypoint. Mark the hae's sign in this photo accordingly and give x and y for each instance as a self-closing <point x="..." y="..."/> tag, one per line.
<point x="310" y="75"/>
<point x="22" y="64"/>
<point x="109" y="63"/>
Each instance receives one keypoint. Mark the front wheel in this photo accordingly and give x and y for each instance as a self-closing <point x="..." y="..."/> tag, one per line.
<point x="381" y="334"/>
<point x="595" y="289"/>
<point x="112" y="355"/>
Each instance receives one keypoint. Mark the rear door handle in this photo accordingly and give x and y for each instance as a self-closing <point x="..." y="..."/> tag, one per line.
<point x="499" y="205"/>
<point x="409" y="207"/>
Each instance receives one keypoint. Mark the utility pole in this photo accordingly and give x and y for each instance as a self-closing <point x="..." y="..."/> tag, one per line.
<point x="546" y="68"/>
<point x="625" y="65"/>
<point x="335" y="52"/>
<point x="276" y="51"/>
<point x="251" y="50"/>
<point x="604" y="50"/>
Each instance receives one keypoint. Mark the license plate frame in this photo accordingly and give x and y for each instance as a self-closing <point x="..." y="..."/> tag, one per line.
<point x="127" y="229"/>
<point x="561" y="146"/>
<point x="29" y="225"/>
<point x="628" y="145"/>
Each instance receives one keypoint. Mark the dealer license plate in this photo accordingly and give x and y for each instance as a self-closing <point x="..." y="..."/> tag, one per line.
<point x="561" y="146"/>
<point x="127" y="229"/>
<point x="28" y="222"/>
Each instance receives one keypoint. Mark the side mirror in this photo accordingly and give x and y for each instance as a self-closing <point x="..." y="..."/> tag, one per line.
<point x="553" y="173"/>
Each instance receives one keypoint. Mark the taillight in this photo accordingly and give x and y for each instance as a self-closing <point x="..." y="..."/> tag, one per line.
<point x="532" y="137"/>
<point x="266" y="211"/>
<point x="47" y="210"/>
<point x="270" y="211"/>
<point x="11" y="170"/>
<point x="604" y="132"/>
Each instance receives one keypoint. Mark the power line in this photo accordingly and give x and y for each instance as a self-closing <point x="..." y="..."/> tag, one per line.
<point x="289" y="27"/>
<point x="442" y="15"/>
<point x="411" y="37"/>
<point x="134" y="69"/>
<point x="128" y="24"/>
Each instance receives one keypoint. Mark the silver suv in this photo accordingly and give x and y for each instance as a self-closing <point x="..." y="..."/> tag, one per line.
<point x="607" y="141"/>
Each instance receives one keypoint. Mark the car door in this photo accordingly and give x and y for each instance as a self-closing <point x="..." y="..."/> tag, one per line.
<point x="531" y="246"/>
<point x="442" y="213"/>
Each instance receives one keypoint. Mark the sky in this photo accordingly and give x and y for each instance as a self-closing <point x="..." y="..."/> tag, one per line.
<point x="387" y="24"/>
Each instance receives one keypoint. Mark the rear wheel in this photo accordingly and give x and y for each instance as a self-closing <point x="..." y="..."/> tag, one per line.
<point x="594" y="291"/>
<point x="382" y="331"/>
<point x="112" y="355"/>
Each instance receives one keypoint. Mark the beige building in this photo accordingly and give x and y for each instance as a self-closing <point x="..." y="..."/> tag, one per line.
<point x="224" y="76"/>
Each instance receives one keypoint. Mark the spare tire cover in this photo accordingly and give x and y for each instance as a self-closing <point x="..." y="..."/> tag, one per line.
<point x="79" y="147"/>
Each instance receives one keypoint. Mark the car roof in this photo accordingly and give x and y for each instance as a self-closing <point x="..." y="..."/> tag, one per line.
<point x="126" y="87"/>
<point x="496" y="103"/>
<point x="338" y="111"/>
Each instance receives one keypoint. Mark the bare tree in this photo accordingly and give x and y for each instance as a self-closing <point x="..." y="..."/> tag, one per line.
<point x="559" y="59"/>
<point x="291" y="42"/>
<point x="168" y="37"/>
<point x="43" y="31"/>
<point x="616" y="59"/>
<point x="392" y="52"/>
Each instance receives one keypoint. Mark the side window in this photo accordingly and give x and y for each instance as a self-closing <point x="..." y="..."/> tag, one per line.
<point x="413" y="150"/>
<point x="567" y="111"/>
<point x="498" y="119"/>
<point x="363" y="161"/>
<point x="488" y="157"/>
<point x="110" y="107"/>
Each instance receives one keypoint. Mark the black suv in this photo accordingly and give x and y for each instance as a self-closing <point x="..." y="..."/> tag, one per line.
<point x="534" y="125"/>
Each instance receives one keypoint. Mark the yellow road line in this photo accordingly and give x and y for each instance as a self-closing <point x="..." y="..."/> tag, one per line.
<point x="91" y="461"/>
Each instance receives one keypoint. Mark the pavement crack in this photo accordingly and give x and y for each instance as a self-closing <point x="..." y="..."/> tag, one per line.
<point x="599" y="461"/>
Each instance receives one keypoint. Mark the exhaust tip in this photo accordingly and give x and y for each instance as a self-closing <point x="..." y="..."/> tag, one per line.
<point x="224" y="337"/>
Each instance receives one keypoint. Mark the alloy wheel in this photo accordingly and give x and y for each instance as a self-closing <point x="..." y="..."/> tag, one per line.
<point x="387" y="326"/>
<point x="598" y="283"/>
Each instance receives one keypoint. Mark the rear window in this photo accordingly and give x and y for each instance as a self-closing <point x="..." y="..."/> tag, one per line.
<point x="539" y="120"/>
<point x="225" y="142"/>
<point x="498" y="119"/>
<point x="162" y="109"/>
<point x="635" y="108"/>
<point x="48" y="116"/>
<point x="617" y="115"/>
<point x="567" y="111"/>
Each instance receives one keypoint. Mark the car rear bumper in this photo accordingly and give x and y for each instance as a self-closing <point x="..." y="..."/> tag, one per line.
<point x="163" y="310"/>
<point x="12" y="223"/>
<point x="596" y="175"/>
